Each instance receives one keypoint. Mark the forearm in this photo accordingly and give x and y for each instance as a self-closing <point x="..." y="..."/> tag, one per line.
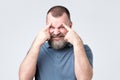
<point x="83" y="69"/>
<point x="28" y="66"/>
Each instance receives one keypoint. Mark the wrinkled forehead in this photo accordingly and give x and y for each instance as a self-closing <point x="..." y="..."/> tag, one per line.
<point x="57" y="20"/>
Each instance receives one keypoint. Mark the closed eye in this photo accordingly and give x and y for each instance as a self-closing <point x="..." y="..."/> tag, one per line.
<point x="61" y="27"/>
<point x="52" y="27"/>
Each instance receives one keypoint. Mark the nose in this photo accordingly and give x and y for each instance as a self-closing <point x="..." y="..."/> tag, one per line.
<point x="56" y="31"/>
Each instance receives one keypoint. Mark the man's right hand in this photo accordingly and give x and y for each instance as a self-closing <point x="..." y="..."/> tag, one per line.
<point x="43" y="35"/>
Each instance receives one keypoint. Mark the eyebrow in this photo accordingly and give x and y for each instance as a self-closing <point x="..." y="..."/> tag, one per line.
<point x="58" y="27"/>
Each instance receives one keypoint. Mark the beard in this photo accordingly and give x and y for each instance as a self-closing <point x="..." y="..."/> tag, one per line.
<point x="57" y="44"/>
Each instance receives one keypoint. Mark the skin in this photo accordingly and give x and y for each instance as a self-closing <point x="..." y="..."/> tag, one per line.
<point x="83" y="69"/>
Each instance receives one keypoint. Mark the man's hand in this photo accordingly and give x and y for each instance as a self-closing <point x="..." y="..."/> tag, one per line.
<point x="43" y="35"/>
<point x="71" y="35"/>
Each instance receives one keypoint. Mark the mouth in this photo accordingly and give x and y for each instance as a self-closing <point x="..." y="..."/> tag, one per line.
<point x="57" y="38"/>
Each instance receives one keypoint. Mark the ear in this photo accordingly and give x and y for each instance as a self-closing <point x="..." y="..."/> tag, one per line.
<point x="70" y="24"/>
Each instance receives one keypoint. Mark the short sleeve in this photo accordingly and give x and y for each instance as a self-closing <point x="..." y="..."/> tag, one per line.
<point x="89" y="54"/>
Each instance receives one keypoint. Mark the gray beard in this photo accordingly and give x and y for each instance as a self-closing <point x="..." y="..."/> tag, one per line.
<point x="57" y="44"/>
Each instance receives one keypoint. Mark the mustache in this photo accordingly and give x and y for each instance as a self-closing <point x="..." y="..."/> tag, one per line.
<point x="57" y="35"/>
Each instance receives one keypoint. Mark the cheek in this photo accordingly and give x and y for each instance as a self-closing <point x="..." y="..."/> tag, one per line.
<point x="64" y="31"/>
<point x="51" y="30"/>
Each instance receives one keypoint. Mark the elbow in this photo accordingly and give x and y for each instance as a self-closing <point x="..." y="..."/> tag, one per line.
<point x="86" y="76"/>
<point x="90" y="75"/>
<point x="23" y="77"/>
<point x="23" y="74"/>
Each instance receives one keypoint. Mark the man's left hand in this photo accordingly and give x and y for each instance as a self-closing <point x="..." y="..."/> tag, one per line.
<point x="71" y="36"/>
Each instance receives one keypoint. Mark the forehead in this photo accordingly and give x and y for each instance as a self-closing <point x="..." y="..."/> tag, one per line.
<point x="57" y="20"/>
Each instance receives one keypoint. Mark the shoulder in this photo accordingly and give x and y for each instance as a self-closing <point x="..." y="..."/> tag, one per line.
<point x="87" y="48"/>
<point x="44" y="46"/>
<point x="89" y="53"/>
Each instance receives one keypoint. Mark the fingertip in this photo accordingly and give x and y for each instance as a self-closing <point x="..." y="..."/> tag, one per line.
<point x="66" y="26"/>
<point x="65" y="39"/>
<point x="48" y="25"/>
<point x="63" y="24"/>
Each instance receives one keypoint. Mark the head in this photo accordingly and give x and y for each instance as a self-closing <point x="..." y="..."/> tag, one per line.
<point x="58" y="15"/>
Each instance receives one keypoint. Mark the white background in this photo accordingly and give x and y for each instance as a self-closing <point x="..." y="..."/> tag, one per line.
<point x="96" y="21"/>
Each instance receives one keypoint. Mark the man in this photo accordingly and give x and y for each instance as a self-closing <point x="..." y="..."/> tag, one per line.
<point x="57" y="53"/>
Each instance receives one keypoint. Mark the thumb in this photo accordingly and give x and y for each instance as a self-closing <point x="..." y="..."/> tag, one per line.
<point x="65" y="38"/>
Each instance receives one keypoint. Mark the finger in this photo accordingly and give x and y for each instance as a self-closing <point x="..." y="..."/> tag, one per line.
<point x="66" y="27"/>
<point x="48" y="26"/>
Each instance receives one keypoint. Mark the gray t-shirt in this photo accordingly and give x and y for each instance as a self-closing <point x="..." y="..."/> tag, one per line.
<point x="58" y="64"/>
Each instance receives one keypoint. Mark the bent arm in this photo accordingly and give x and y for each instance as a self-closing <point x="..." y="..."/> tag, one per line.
<point x="83" y="69"/>
<point x="28" y="66"/>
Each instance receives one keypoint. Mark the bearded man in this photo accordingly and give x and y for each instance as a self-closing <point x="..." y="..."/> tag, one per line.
<point x="58" y="52"/>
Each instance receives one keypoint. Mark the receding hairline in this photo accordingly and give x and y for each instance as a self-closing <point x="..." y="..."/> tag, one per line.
<point x="58" y="11"/>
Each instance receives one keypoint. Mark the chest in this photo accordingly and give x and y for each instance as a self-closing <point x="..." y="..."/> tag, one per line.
<point x="56" y="65"/>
